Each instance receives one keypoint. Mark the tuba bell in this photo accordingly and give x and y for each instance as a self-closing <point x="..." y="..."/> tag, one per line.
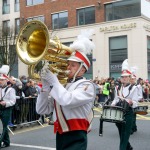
<point x="34" y="45"/>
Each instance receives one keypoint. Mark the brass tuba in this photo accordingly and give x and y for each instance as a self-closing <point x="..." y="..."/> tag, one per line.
<point x="34" y="45"/>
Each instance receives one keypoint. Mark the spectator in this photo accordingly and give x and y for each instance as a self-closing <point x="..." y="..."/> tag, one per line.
<point x="17" y="111"/>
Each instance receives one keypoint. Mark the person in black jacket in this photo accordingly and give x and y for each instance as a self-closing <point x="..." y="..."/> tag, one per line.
<point x="27" y="92"/>
<point x="32" y="116"/>
<point x="17" y="111"/>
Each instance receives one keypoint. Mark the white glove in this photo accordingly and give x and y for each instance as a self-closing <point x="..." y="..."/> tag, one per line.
<point x="49" y="77"/>
<point x="45" y="85"/>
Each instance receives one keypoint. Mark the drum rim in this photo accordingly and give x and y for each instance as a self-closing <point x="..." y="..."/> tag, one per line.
<point x="112" y="120"/>
<point x="116" y="107"/>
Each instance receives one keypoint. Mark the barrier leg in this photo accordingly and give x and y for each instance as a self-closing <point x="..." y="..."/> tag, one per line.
<point x="10" y="130"/>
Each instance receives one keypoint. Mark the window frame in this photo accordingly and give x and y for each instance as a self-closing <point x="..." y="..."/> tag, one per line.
<point x="34" y="18"/>
<point x="17" y="28"/>
<point x="58" y="20"/>
<point x="5" y="6"/>
<point x="33" y="2"/>
<point x="113" y="6"/>
<point x="84" y="14"/>
<point x="118" y="64"/>
<point x="6" y="28"/>
<point x="17" y="6"/>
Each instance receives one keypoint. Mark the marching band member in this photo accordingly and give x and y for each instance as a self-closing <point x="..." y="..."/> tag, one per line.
<point x="126" y="96"/>
<point x="133" y="82"/>
<point x="73" y="104"/>
<point x="7" y="100"/>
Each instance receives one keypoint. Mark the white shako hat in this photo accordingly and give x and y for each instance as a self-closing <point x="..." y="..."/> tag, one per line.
<point x="81" y="47"/>
<point x="125" y="68"/>
<point x="4" y="71"/>
<point x="133" y="71"/>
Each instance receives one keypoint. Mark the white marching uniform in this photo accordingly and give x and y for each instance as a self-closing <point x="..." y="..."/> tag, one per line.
<point x="124" y="129"/>
<point x="9" y="96"/>
<point x="124" y="92"/>
<point x="140" y="92"/>
<point x="73" y="105"/>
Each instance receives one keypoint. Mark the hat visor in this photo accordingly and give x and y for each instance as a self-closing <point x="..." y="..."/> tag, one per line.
<point x="133" y="77"/>
<point x="125" y="74"/>
<point x="72" y="58"/>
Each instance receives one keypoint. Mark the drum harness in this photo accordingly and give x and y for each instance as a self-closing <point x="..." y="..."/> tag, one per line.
<point x="122" y="102"/>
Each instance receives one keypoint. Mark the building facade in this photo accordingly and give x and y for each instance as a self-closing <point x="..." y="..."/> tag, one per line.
<point x="121" y="30"/>
<point x="10" y="22"/>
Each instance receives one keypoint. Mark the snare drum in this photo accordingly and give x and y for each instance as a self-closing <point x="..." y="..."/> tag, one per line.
<point x="113" y="114"/>
<point x="141" y="110"/>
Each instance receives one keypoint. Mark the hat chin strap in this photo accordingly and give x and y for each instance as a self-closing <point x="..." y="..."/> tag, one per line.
<point x="74" y="77"/>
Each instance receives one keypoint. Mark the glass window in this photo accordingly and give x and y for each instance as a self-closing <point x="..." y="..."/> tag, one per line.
<point x="86" y="16"/>
<point x="122" y="9"/>
<point x="117" y="53"/>
<point x="17" y="6"/>
<point x="6" y="27"/>
<point x="40" y="18"/>
<point x="17" y="25"/>
<point x="6" y="2"/>
<point x="60" y="20"/>
<point x="6" y="6"/>
<point x="29" y="2"/>
<point x="34" y="2"/>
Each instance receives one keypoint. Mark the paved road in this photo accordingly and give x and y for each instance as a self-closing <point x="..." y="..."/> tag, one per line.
<point x="42" y="138"/>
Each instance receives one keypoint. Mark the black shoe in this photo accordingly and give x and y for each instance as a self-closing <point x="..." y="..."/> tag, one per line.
<point x="129" y="148"/>
<point x="4" y="145"/>
<point x="133" y="130"/>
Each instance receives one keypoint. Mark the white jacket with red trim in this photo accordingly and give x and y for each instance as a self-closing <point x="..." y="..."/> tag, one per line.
<point x="74" y="105"/>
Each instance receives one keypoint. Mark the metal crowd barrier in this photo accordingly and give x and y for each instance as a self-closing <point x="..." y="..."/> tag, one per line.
<point x="24" y="113"/>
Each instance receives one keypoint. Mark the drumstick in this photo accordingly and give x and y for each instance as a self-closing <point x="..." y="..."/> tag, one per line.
<point x="106" y="101"/>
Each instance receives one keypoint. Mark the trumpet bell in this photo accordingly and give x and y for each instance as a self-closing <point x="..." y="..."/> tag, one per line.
<point x="34" y="45"/>
<point x="32" y="42"/>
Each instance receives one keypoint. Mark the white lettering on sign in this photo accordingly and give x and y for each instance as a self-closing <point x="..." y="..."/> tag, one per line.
<point x="146" y="26"/>
<point x="115" y="67"/>
<point x="120" y="27"/>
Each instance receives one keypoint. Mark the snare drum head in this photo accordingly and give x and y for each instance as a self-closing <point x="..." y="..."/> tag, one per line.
<point x="112" y="107"/>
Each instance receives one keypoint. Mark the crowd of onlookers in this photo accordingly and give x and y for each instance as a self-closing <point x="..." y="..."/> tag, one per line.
<point x="27" y="91"/>
<point x="101" y="97"/>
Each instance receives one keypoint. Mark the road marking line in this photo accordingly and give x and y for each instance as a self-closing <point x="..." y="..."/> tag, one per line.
<point x="97" y="109"/>
<point x="147" y="118"/>
<point x="96" y="116"/>
<point x="30" y="129"/>
<point x="32" y="146"/>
